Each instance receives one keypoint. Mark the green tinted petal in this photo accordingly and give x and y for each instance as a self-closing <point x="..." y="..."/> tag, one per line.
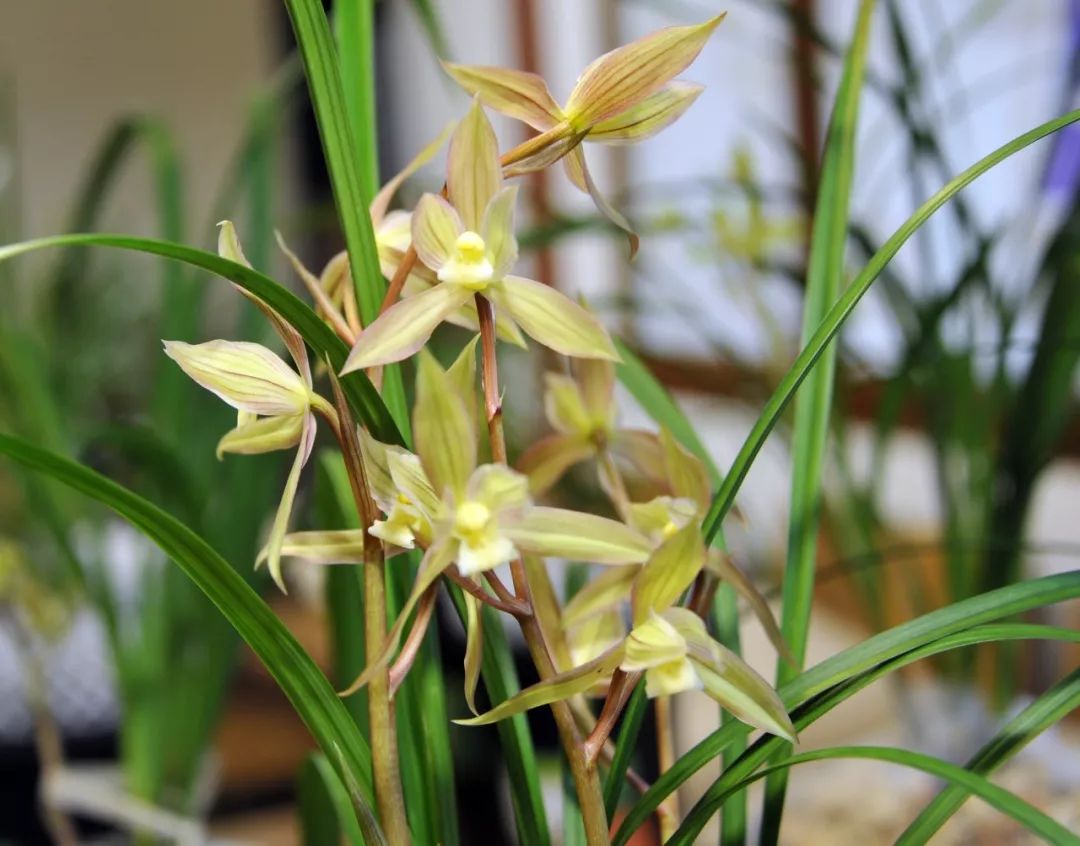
<point x="565" y="407"/>
<point x="670" y="570"/>
<point x="627" y="75"/>
<point x="609" y="589"/>
<point x="552" y="319"/>
<point x="249" y="377"/>
<point x="473" y="173"/>
<point x="558" y="687"/>
<point x="435" y="228"/>
<point x="403" y="328"/>
<point x="345" y="546"/>
<point x="685" y="472"/>
<point x="474" y="648"/>
<point x="518" y="94"/>
<point x="497" y="230"/>
<point x="578" y="171"/>
<point x="267" y="434"/>
<point x="445" y="437"/>
<point x="580" y="537"/>
<point x="652" y="643"/>
<point x="643" y="120"/>
<point x="284" y="511"/>
<point x="498" y="487"/>
<point x="548" y="459"/>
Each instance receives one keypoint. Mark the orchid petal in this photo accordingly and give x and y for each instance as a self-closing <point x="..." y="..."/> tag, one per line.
<point x="229" y="247"/>
<point x="374" y="455"/>
<point x="381" y="203"/>
<point x="730" y="680"/>
<point x="578" y="171"/>
<point x="344" y="546"/>
<point x="266" y="434"/>
<point x="558" y="687"/>
<point x="435" y="561"/>
<point x="641" y="450"/>
<point x="685" y="472"/>
<point x="670" y="570"/>
<point x="404" y="327"/>
<point x="720" y="564"/>
<point x="552" y="319"/>
<point x="564" y="406"/>
<point x="608" y="590"/>
<point x="628" y="74"/>
<point x="409" y="478"/>
<point x="592" y="638"/>
<point x="445" y="436"/>
<point x="435" y="227"/>
<point x="550" y="147"/>
<point x="645" y="119"/>
<point x="247" y="376"/>
<point x="288" y="496"/>
<point x="548" y="459"/>
<point x="596" y="380"/>
<point x="497" y="230"/>
<point x="498" y="487"/>
<point x="466" y="317"/>
<point x="474" y="648"/>
<point x="518" y="94"/>
<point x="652" y="643"/>
<point x="581" y="537"/>
<point x="474" y="174"/>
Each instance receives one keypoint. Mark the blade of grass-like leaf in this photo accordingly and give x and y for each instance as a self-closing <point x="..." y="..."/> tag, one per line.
<point x="875" y="652"/>
<point x="1005" y="801"/>
<point x="326" y="810"/>
<point x="726" y="619"/>
<point x="625" y="744"/>
<point x="352" y="182"/>
<point x="812" y="411"/>
<point x="363" y="398"/>
<point x="813" y="707"/>
<point x="519" y="755"/>
<point x="1048" y="709"/>
<point x="350" y="160"/>
<point x="300" y="679"/>
<point x="353" y="24"/>
<point x="806" y="359"/>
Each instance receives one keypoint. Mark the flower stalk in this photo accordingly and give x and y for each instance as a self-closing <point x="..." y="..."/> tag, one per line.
<point x="584" y="772"/>
<point x="389" y="796"/>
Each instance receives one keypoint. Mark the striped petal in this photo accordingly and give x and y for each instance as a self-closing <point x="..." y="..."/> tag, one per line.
<point x="518" y="94"/>
<point x="435" y="228"/>
<point x="643" y="120"/>
<point x="473" y="174"/>
<point x="404" y="328"/>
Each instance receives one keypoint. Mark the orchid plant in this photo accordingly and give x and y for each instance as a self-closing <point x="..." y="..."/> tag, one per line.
<point x="473" y="519"/>
<point x="440" y="509"/>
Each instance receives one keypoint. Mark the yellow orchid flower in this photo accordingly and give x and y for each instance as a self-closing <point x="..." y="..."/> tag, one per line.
<point x="625" y="96"/>
<point x="468" y="242"/>
<point x="275" y="404"/>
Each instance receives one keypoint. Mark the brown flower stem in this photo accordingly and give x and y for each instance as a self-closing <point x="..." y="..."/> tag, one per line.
<point x="622" y="685"/>
<point x="585" y="774"/>
<point x="389" y="796"/>
<point x="511" y="606"/>
<point x="665" y="756"/>
<point x="397" y="282"/>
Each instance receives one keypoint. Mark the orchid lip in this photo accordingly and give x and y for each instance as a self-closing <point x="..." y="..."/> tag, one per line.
<point x="469" y="265"/>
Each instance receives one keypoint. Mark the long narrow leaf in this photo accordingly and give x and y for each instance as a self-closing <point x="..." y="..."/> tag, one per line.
<point x="812" y="411"/>
<point x="1048" y="709"/>
<point x="1008" y="803"/>
<point x="875" y="652"/>
<point x="804" y="363"/>
<point x="363" y="398"/>
<point x="302" y="682"/>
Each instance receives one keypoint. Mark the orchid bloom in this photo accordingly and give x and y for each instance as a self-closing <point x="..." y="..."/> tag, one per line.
<point x="581" y="410"/>
<point x="275" y="404"/>
<point x="625" y="96"/>
<point x="476" y="517"/>
<point x="468" y="242"/>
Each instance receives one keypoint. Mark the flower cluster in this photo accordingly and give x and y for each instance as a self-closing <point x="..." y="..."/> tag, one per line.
<point x="468" y="517"/>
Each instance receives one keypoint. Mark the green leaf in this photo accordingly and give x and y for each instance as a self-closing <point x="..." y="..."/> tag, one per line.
<point x="302" y="682"/>
<point x="1008" y="803"/>
<point x="812" y="411"/>
<point x="932" y="633"/>
<point x="625" y="744"/>
<point x="326" y="810"/>
<point x="1048" y="709"/>
<point x="363" y="398"/>
<point x="804" y="363"/>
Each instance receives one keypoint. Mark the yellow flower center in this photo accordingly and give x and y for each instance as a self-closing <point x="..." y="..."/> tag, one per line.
<point x="469" y="266"/>
<point x="669" y="529"/>
<point x="471" y="522"/>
